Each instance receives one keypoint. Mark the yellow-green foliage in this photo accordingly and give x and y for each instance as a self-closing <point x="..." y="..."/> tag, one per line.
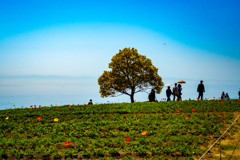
<point x="131" y="71"/>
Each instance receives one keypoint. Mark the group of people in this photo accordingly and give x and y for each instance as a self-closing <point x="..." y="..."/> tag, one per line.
<point x="225" y="96"/>
<point x="176" y="92"/>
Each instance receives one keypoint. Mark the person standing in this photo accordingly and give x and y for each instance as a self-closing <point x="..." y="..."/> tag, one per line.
<point x="168" y="93"/>
<point x="200" y="90"/>
<point x="175" y="91"/>
<point x="152" y="96"/>
<point x="239" y="94"/>
<point x="180" y="92"/>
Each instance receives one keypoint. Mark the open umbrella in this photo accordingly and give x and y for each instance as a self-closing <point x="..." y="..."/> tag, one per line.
<point x="181" y="82"/>
<point x="166" y="85"/>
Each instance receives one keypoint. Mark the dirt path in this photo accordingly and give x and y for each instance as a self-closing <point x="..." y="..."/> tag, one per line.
<point x="230" y="144"/>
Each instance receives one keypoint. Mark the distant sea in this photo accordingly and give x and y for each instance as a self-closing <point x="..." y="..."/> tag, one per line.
<point x="7" y="102"/>
<point x="11" y="102"/>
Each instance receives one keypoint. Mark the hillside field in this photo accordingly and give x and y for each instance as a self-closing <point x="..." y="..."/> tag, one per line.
<point x="175" y="130"/>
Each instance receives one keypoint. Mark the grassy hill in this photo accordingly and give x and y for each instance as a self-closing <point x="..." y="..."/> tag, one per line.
<point x="163" y="130"/>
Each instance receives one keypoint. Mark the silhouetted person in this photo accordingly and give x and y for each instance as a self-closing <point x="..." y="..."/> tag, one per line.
<point x="90" y="102"/>
<point x="227" y="96"/>
<point x="152" y="96"/>
<point x="149" y="97"/>
<point x="239" y="94"/>
<point x="200" y="90"/>
<point x="175" y="91"/>
<point x="168" y="93"/>
<point x="180" y="92"/>
<point x="223" y="95"/>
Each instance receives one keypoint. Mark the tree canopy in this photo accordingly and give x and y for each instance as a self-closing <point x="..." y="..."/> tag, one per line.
<point x="130" y="73"/>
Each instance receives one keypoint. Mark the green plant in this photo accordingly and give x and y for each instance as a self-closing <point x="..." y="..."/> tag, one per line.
<point x="101" y="130"/>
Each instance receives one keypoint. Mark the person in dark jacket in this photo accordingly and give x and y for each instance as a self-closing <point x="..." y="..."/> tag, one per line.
<point x="168" y="93"/>
<point x="180" y="92"/>
<point x="239" y="94"/>
<point x="200" y="90"/>
<point x="175" y="91"/>
<point x="152" y="96"/>
<point x="90" y="102"/>
<point x="223" y="95"/>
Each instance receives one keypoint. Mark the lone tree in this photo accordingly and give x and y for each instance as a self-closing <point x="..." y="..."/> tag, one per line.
<point x="131" y="73"/>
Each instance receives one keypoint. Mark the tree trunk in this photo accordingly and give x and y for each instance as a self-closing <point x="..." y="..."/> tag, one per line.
<point x="132" y="99"/>
<point x="132" y="94"/>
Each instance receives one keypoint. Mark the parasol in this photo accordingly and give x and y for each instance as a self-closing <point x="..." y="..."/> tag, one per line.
<point x="181" y="82"/>
<point x="166" y="85"/>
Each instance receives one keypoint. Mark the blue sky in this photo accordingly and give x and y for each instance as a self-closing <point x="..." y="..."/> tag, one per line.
<point x="60" y="47"/>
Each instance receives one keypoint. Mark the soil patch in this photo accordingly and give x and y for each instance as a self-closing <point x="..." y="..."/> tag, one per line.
<point x="229" y="142"/>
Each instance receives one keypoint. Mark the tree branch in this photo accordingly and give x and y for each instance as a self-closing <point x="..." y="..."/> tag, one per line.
<point x="122" y="91"/>
<point x="118" y="95"/>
